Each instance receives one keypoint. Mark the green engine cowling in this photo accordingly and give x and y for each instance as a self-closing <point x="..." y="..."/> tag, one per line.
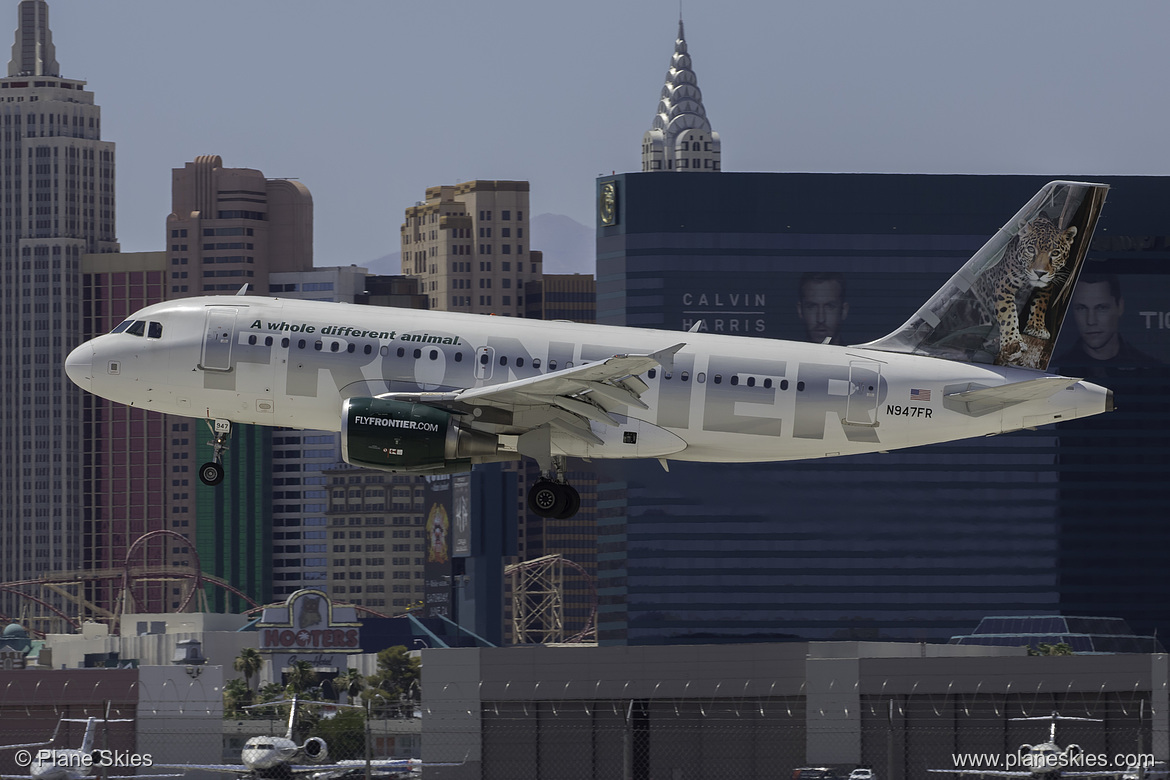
<point x="403" y="436"/>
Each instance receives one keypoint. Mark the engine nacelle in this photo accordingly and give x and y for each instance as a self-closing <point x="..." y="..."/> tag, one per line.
<point x="315" y="750"/>
<point x="402" y="436"/>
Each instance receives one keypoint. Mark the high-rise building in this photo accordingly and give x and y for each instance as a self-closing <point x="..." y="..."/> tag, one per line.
<point x="467" y="245"/>
<point x="229" y="227"/>
<point x="58" y="188"/>
<point x="918" y="544"/>
<point x="680" y="138"/>
<point x="300" y="497"/>
<point x="126" y="479"/>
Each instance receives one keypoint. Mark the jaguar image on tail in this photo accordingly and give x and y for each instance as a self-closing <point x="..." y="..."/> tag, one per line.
<point x="1029" y="273"/>
<point x="1004" y="307"/>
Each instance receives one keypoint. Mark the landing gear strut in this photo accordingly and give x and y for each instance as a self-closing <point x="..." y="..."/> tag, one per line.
<point x="552" y="496"/>
<point x="211" y="473"/>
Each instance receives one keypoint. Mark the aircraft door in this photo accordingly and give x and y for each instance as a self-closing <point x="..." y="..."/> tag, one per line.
<point x="864" y="383"/>
<point x="217" y="340"/>
<point x="484" y="358"/>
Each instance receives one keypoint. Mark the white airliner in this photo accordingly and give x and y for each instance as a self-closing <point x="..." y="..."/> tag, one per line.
<point x="433" y="392"/>
<point x="72" y="763"/>
<point x="276" y="757"/>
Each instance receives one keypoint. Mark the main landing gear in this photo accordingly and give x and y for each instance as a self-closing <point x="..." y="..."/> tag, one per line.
<point x="553" y="497"/>
<point x="211" y="473"/>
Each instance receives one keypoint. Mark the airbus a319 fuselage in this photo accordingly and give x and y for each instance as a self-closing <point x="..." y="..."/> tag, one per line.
<point x="423" y="391"/>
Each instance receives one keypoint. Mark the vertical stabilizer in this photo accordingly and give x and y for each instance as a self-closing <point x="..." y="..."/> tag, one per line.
<point x="292" y="718"/>
<point x="87" y="740"/>
<point x="1005" y="306"/>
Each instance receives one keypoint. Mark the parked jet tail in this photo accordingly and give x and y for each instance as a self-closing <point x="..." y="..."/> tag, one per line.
<point x="1005" y="306"/>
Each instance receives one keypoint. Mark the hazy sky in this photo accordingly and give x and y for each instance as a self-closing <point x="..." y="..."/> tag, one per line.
<point x="368" y="102"/>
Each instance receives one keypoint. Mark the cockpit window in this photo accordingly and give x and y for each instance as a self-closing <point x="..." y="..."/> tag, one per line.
<point x="137" y="328"/>
<point x="123" y="326"/>
<point x="154" y="330"/>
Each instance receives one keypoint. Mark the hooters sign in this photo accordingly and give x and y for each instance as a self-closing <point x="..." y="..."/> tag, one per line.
<point x="309" y="622"/>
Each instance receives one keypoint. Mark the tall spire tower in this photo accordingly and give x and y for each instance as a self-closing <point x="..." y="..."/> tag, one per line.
<point x="681" y="138"/>
<point x="58" y="204"/>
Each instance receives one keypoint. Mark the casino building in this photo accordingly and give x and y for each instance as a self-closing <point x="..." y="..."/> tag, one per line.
<point x="912" y="545"/>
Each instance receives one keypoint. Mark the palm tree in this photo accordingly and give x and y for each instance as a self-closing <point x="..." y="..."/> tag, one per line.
<point x="235" y="696"/>
<point x="301" y="677"/>
<point x="249" y="662"/>
<point x="351" y="682"/>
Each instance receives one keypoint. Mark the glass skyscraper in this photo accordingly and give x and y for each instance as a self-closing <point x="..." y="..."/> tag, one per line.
<point x="916" y="544"/>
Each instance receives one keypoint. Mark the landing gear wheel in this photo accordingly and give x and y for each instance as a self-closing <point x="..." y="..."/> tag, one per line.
<point x="572" y="502"/>
<point x="211" y="474"/>
<point x="547" y="498"/>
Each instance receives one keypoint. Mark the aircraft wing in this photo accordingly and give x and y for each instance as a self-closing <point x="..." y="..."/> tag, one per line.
<point x="586" y="392"/>
<point x="231" y="769"/>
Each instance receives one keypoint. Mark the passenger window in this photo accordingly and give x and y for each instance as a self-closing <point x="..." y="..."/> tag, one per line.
<point x="536" y="362"/>
<point x="300" y="344"/>
<point x="317" y="345"/>
<point x="519" y="362"/>
<point x="417" y="354"/>
<point x="768" y="384"/>
<point x="751" y="381"/>
<point x="137" y="329"/>
<point x="717" y="379"/>
<point x="652" y="373"/>
<point x="783" y="384"/>
<point x="401" y="352"/>
<point x="684" y="376"/>
<point x="334" y="347"/>
<point x="734" y="379"/>
<point x="552" y="365"/>
<point x="503" y="360"/>
<point x="800" y="387"/>
<point x="154" y="331"/>
<point x="701" y="377"/>
<point x="284" y="343"/>
<point x="458" y="357"/>
<point x="268" y="341"/>
<point x="252" y="339"/>
<point x="483" y="359"/>
<point x="434" y="354"/>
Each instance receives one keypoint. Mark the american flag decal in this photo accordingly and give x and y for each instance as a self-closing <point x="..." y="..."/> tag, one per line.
<point x="919" y="395"/>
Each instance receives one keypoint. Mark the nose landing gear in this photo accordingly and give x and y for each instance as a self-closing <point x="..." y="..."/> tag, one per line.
<point x="211" y="473"/>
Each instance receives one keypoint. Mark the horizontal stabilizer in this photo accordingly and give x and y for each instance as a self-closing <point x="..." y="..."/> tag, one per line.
<point x="977" y="401"/>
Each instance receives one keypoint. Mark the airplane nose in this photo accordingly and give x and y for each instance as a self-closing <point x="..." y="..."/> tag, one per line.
<point x="79" y="366"/>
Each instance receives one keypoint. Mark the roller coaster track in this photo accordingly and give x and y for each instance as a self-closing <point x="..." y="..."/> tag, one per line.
<point x="126" y="577"/>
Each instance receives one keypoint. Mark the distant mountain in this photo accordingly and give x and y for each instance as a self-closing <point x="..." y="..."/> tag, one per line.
<point x="386" y="265"/>
<point x="568" y="246"/>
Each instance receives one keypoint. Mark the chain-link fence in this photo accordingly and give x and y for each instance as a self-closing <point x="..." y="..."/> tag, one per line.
<point x="659" y="731"/>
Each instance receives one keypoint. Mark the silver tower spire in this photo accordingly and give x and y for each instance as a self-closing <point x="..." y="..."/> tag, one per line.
<point x="33" y="53"/>
<point x="680" y="138"/>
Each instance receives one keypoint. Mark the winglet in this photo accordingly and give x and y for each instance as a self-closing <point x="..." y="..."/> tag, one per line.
<point x="243" y="290"/>
<point x="665" y="357"/>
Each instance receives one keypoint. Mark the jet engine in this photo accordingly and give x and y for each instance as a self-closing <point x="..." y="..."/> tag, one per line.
<point x="402" y="436"/>
<point x="315" y="750"/>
